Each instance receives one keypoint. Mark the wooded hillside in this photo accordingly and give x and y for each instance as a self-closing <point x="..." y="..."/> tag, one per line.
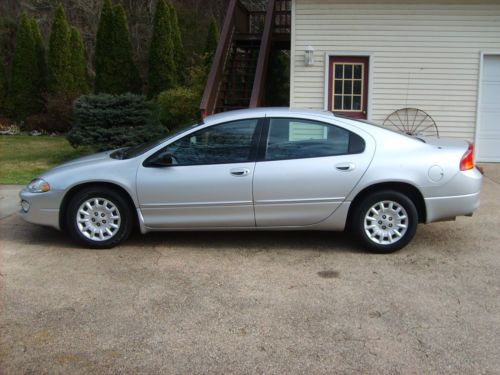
<point x="194" y="17"/>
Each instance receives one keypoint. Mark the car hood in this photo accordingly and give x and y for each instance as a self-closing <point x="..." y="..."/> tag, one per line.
<point x="90" y="159"/>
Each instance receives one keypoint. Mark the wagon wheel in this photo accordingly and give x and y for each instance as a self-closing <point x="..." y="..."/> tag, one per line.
<point x="412" y="121"/>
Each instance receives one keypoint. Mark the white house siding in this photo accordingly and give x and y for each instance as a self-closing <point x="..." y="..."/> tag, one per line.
<point x="425" y="54"/>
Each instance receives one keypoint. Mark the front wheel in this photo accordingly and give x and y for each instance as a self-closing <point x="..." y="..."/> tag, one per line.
<point x="385" y="221"/>
<point x="99" y="218"/>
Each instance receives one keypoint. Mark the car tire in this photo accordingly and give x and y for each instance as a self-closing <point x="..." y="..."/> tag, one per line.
<point x="385" y="221"/>
<point x="99" y="218"/>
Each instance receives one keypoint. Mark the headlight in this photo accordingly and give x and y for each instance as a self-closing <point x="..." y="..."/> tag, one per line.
<point x="38" y="185"/>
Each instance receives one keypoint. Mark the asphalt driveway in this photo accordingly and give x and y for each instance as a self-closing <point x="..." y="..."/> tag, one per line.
<point x="251" y="303"/>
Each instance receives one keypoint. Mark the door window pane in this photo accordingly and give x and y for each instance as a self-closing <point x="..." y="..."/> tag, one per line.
<point x="347" y="71"/>
<point x="294" y="139"/>
<point x="339" y="69"/>
<point x="357" y="71"/>
<point x="356" y="102"/>
<point x="357" y="88"/>
<point x="226" y="143"/>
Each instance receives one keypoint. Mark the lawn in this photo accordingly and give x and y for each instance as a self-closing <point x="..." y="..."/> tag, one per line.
<point x="24" y="157"/>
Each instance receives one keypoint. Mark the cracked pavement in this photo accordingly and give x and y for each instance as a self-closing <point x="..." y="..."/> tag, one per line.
<point x="246" y="303"/>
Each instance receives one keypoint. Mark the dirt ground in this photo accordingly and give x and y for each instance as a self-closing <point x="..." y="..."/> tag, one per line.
<point x="251" y="303"/>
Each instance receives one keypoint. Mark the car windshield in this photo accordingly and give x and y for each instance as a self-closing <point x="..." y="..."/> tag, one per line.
<point x="132" y="152"/>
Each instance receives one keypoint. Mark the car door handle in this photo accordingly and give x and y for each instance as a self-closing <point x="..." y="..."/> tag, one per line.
<point x="240" y="172"/>
<point x="345" y="167"/>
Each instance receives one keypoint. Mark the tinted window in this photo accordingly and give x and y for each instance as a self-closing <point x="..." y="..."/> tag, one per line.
<point x="226" y="143"/>
<point x="295" y="138"/>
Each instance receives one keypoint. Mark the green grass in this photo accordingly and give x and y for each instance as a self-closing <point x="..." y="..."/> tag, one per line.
<point x="24" y="157"/>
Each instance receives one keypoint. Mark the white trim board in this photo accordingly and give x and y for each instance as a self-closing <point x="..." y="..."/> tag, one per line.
<point x="482" y="53"/>
<point x="370" y="56"/>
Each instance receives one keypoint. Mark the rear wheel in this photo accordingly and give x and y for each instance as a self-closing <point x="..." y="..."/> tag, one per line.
<point x="385" y="221"/>
<point x="99" y="218"/>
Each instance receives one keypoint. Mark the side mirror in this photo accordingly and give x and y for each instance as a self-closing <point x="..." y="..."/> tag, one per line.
<point x="160" y="161"/>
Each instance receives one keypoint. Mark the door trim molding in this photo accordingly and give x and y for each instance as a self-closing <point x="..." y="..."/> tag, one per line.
<point x="482" y="53"/>
<point x="370" y="56"/>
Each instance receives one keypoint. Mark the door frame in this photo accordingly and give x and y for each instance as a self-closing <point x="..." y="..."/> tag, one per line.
<point x="482" y="53"/>
<point x="370" y="56"/>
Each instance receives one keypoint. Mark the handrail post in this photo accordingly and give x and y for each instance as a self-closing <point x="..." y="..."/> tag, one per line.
<point x="265" y="46"/>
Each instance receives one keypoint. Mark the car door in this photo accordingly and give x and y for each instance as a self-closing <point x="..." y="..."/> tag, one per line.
<point x="202" y="180"/>
<point x="305" y="171"/>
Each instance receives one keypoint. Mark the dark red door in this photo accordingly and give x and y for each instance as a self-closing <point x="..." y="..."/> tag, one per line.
<point x="348" y="86"/>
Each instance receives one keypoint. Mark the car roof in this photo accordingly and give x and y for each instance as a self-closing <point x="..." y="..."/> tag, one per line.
<point x="267" y="112"/>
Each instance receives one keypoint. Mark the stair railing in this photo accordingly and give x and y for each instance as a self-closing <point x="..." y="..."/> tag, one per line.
<point x="236" y="19"/>
<point x="258" y="89"/>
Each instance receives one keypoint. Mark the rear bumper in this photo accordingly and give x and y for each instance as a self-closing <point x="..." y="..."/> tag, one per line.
<point x="462" y="198"/>
<point x="442" y="208"/>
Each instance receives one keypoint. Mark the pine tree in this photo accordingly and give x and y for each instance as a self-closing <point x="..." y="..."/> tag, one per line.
<point x="23" y="97"/>
<point x="128" y="79"/>
<point x="59" y="61"/>
<point x="161" y="57"/>
<point x="41" y="74"/>
<point x="103" y="63"/>
<point x="177" y="45"/>
<point x="3" y="87"/>
<point x="78" y="63"/>
<point x="211" y="42"/>
<point x="116" y="71"/>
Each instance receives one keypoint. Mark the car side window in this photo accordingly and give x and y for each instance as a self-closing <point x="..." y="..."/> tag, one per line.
<point x="230" y="142"/>
<point x="297" y="138"/>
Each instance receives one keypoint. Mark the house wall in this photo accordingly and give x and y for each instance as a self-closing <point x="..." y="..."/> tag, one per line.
<point x="424" y="54"/>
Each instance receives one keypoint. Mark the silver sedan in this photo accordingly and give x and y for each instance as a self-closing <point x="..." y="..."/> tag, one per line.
<point x="262" y="169"/>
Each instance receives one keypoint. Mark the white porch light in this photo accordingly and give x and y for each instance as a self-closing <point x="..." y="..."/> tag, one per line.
<point x="309" y="56"/>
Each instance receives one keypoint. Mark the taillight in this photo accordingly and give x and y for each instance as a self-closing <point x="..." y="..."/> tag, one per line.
<point x="467" y="161"/>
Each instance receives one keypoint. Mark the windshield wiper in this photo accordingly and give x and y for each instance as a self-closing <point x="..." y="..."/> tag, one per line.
<point x="120" y="153"/>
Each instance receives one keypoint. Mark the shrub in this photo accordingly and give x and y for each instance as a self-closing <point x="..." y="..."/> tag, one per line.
<point x="105" y="121"/>
<point x="178" y="107"/>
<point x="45" y="123"/>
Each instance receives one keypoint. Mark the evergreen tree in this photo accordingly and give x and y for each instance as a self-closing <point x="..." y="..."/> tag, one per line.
<point x="59" y="61"/>
<point x="104" y="65"/>
<point x="161" y="57"/>
<point x="41" y="73"/>
<point x="23" y="97"/>
<point x="3" y="87"/>
<point x="78" y="63"/>
<point x="116" y="71"/>
<point x="177" y="45"/>
<point x="211" y="42"/>
<point x="128" y="79"/>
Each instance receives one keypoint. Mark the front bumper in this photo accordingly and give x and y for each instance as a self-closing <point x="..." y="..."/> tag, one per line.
<point x="43" y="207"/>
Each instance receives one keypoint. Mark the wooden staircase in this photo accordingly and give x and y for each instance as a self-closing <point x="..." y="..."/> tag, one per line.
<point x="238" y="72"/>
<point x="237" y="84"/>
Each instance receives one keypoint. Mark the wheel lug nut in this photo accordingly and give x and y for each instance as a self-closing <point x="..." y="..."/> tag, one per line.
<point x="93" y="220"/>
<point x="390" y="218"/>
<point x="390" y="225"/>
<point x="98" y="224"/>
<point x="383" y="216"/>
<point x="96" y="214"/>
<point x="380" y="221"/>
<point x="102" y="215"/>
<point x="383" y="226"/>
<point x="104" y="221"/>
